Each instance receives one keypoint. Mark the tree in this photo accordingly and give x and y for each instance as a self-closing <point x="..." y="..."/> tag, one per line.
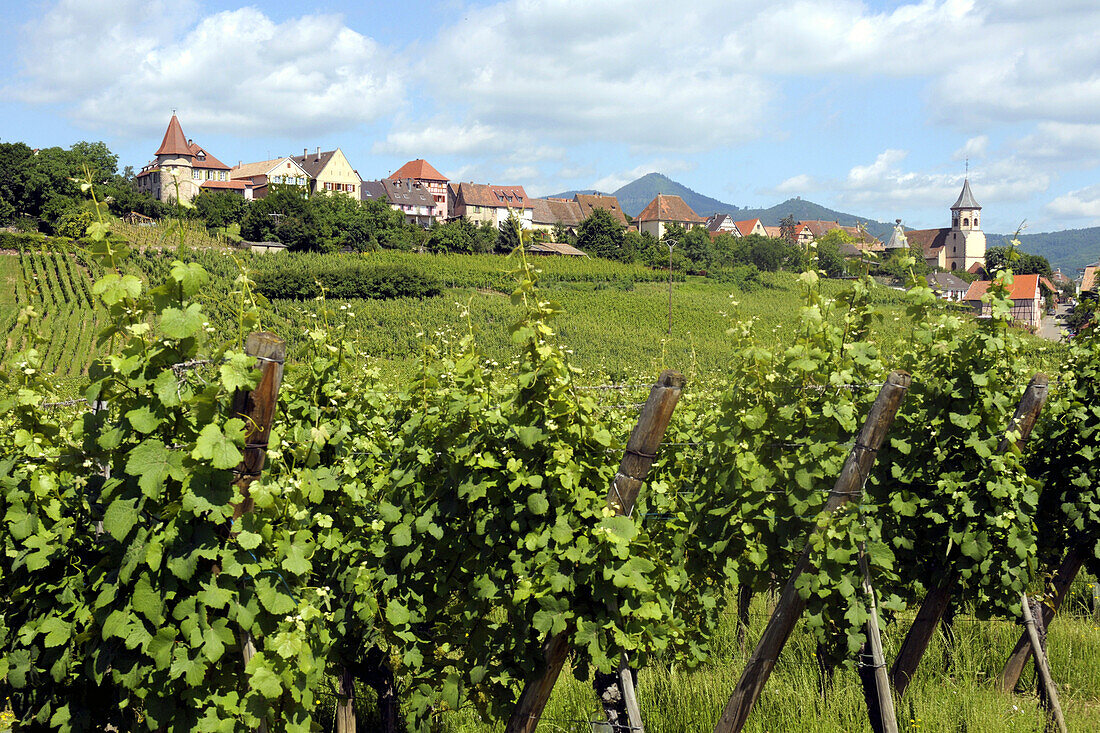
<point x="601" y="235"/>
<point x="219" y="208"/>
<point x="510" y="233"/>
<point x="1021" y="263"/>
<point x="786" y="228"/>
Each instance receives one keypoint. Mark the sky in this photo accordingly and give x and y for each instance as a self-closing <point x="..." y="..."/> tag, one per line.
<point x="872" y="108"/>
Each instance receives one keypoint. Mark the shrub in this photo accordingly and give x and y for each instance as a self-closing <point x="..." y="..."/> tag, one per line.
<point x="300" y="280"/>
<point x="73" y="223"/>
<point x="745" y="278"/>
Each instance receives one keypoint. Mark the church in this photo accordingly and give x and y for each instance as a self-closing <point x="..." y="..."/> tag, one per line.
<point x="958" y="247"/>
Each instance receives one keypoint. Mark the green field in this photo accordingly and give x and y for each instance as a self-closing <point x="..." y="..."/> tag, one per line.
<point x="615" y="317"/>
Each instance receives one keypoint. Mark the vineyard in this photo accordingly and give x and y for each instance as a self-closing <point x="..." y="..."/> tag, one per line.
<point x="235" y="529"/>
<point x="596" y="296"/>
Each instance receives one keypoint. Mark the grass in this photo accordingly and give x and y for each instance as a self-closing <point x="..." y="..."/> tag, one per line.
<point x="953" y="689"/>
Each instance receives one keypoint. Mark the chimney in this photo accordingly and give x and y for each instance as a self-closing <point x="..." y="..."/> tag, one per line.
<point x="305" y="152"/>
<point x="238" y="164"/>
<point x="318" y="152"/>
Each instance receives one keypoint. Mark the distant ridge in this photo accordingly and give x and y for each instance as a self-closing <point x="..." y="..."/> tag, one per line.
<point x="1069" y="249"/>
<point x="636" y="195"/>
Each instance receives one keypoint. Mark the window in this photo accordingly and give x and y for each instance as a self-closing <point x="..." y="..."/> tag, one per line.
<point x="196" y="174"/>
<point x="966" y="222"/>
<point x="223" y="176"/>
<point x="301" y="180"/>
<point x="328" y="186"/>
<point x="276" y="179"/>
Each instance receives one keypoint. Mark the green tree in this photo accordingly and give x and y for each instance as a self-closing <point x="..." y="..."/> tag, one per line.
<point x="601" y="235"/>
<point x="219" y="208"/>
<point x="786" y="228"/>
<point x="510" y="231"/>
<point x="74" y="222"/>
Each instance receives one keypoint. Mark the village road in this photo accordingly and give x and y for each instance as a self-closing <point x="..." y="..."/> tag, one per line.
<point x="1052" y="329"/>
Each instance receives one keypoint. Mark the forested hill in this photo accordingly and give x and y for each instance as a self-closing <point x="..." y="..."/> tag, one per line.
<point x="1069" y="249"/>
<point x="636" y="195"/>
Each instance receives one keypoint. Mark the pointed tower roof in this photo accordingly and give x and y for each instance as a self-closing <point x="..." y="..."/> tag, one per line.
<point x="418" y="169"/>
<point x="966" y="198"/>
<point x="174" y="142"/>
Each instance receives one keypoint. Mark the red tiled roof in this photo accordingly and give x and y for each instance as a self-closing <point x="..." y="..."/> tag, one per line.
<point x="174" y="142"/>
<point x="418" y="169"/>
<point x="590" y="202"/>
<point x="746" y="226"/>
<point x="1088" y="280"/>
<point x="774" y="232"/>
<point x="478" y="194"/>
<point x="976" y="268"/>
<point x="818" y="227"/>
<point x="209" y="162"/>
<point x="1024" y="287"/>
<point x="927" y="240"/>
<point x="237" y="184"/>
<point x="669" y="208"/>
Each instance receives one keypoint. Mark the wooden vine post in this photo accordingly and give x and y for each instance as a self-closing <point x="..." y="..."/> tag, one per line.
<point x="257" y="408"/>
<point x="876" y="685"/>
<point x="848" y="485"/>
<point x="1063" y="578"/>
<point x="939" y="597"/>
<point x="1041" y="666"/>
<point x="639" y="455"/>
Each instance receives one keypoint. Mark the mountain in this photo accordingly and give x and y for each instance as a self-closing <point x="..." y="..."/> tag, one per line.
<point x="1069" y="249"/>
<point x="636" y="195"/>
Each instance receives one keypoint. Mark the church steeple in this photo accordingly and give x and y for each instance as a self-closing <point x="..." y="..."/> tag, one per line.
<point x="966" y="198"/>
<point x="965" y="211"/>
<point x="174" y="142"/>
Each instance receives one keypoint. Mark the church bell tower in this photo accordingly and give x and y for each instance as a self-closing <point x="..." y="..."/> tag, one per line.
<point x="966" y="243"/>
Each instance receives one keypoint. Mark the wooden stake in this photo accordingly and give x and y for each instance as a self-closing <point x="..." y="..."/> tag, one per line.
<point x="791" y="605"/>
<point x="939" y="597"/>
<point x="257" y="408"/>
<point x="639" y="455"/>
<point x="882" y="712"/>
<point x="1041" y="664"/>
<point x="1063" y="578"/>
<point x="345" y="708"/>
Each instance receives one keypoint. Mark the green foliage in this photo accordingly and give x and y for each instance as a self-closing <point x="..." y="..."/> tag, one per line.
<point x="354" y="278"/>
<point x="74" y="223"/>
<point x="1021" y="263"/>
<point x="219" y="208"/>
<point x="600" y="235"/>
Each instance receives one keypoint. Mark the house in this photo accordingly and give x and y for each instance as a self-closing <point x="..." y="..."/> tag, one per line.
<point x="413" y="200"/>
<point x="548" y="213"/>
<point x="589" y="202"/>
<point x="488" y="204"/>
<point x="181" y="168"/>
<point x="960" y="246"/>
<point x="862" y="241"/>
<point x="329" y="171"/>
<point x="664" y="210"/>
<point x="1088" y="279"/>
<point x="281" y="171"/>
<point x="773" y="232"/>
<point x="751" y="226"/>
<point x="947" y="286"/>
<point x="722" y="224"/>
<point x="421" y="171"/>
<point x="1027" y="293"/>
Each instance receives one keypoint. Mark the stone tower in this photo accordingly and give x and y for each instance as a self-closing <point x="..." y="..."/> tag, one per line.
<point x="174" y="159"/>
<point x="965" y="243"/>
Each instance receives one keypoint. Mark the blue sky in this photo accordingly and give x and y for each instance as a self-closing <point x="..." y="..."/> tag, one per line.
<point x="867" y="107"/>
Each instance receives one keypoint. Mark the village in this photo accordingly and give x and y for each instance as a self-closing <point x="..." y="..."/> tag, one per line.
<point x="424" y="196"/>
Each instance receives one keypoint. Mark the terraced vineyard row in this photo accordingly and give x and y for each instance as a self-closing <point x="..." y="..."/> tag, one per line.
<point x="57" y="283"/>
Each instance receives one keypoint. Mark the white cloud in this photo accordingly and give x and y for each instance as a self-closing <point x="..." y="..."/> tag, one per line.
<point x="975" y="147"/>
<point x="1083" y="203"/>
<point x="231" y="70"/>
<point x="883" y="188"/>
<point x="613" y="72"/>
<point x="799" y="185"/>
<point x="1070" y="145"/>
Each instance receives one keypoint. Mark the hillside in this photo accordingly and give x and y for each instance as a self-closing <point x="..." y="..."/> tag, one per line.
<point x="1069" y="249"/>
